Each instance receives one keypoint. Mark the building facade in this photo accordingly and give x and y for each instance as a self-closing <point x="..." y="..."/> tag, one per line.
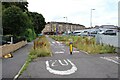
<point x="107" y="27"/>
<point x="61" y="27"/>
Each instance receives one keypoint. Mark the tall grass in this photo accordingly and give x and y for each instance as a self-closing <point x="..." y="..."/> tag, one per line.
<point x="87" y="44"/>
<point x="41" y="48"/>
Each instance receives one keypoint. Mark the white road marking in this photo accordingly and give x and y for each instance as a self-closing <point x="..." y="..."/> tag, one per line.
<point x="117" y="57"/>
<point x="63" y="49"/>
<point x="76" y="51"/>
<point x="18" y="74"/>
<point x="110" y="60"/>
<point x="85" y="52"/>
<point x="53" y="42"/>
<point x="57" y="42"/>
<point x="66" y="63"/>
<point x="59" y="52"/>
<point x="67" y="72"/>
<point x="53" y="64"/>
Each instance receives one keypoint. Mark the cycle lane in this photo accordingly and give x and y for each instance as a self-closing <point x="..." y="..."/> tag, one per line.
<point x="64" y="65"/>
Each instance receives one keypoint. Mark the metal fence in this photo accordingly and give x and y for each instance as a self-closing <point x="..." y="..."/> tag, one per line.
<point x="113" y="40"/>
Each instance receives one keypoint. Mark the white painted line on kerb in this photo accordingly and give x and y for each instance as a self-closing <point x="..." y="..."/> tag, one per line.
<point x="66" y="72"/>
<point x="18" y="74"/>
<point x="110" y="60"/>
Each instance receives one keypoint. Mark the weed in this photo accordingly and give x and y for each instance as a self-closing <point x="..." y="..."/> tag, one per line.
<point x="87" y="44"/>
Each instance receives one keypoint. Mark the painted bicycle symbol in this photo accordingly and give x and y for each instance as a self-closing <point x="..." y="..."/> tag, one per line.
<point x="64" y="62"/>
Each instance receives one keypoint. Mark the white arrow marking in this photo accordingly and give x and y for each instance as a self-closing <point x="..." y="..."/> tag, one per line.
<point x="67" y="72"/>
<point x="66" y="63"/>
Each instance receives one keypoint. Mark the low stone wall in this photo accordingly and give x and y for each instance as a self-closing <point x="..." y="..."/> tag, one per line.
<point x="5" y="49"/>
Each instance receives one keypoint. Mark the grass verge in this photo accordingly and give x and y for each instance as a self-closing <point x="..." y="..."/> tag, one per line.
<point x="87" y="44"/>
<point x="42" y="49"/>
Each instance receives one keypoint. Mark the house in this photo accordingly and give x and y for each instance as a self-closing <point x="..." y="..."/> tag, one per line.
<point x="61" y="27"/>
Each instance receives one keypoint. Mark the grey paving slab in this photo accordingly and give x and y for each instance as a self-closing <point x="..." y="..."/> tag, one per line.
<point x="11" y="66"/>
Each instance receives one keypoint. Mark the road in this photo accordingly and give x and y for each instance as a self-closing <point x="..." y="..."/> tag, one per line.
<point x="78" y="65"/>
<point x="11" y="66"/>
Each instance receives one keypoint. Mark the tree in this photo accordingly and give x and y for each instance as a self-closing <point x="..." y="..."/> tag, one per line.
<point x="15" y="22"/>
<point x="22" y="5"/>
<point x="38" y="22"/>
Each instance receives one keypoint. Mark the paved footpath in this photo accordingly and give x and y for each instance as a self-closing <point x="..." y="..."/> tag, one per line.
<point x="78" y="65"/>
<point x="11" y="66"/>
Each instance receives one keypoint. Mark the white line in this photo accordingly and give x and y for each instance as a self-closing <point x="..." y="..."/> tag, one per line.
<point x="85" y="52"/>
<point x="57" y="42"/>
<point x="117" y="57"/>
<point x="53" y="42"/>
<point x="53" y="64"/>
<point x="19" y="71"/>
<point x="63" y="49"/>
<point x="66" y="63"/>
<point x="59" y="52"/>
<point x="76" y="51"/>
<point x="67" y="72"/>
<point x="110" y="60"/>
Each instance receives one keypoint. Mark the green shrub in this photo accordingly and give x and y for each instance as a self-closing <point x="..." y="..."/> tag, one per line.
<point x="30" y="34"/>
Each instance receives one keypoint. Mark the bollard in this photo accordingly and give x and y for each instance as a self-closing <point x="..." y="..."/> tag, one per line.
<point x="71" y="47"/>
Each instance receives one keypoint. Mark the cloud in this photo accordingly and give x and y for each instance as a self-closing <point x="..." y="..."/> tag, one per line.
<point x="77" y="11"/>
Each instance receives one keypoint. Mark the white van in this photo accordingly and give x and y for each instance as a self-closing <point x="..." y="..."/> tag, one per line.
<point x="107" y="31"/>
<point x="77" y="32"/>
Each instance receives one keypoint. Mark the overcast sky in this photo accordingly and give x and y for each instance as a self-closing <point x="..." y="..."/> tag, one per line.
<point x="77" y="11"/>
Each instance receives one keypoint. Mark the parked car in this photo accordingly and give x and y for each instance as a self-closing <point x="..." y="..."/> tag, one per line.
<point x="93" y="33"/>
<point x="84" y="33"/>
<point x="107" y="32"/>
<point x="77" y="33"/>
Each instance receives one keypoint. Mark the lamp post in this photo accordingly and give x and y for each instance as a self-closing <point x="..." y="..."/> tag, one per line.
<point x="91" y="17"/>
<point x="65" y="22"/>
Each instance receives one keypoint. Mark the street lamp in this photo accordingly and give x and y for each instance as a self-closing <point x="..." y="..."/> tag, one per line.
<point x="65" y="22"/>
<point x="91" y="17"/>
<point x="66" y="19"/>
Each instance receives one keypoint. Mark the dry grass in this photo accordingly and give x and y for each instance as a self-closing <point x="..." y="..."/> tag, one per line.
<point x="87" y="44"/>
<point x="41" y="48"/>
